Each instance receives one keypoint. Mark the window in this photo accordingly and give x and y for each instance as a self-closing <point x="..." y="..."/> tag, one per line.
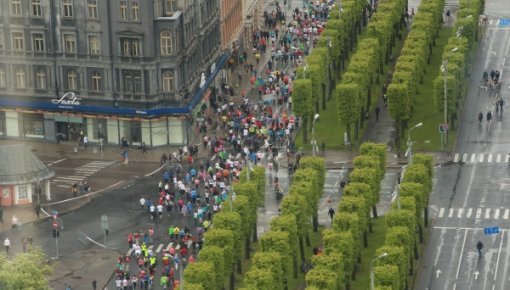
<point x="1" y="41"/>
<point x="67" y="6"/>
<point x="16" y="7"/>
<point x="40" y="79"/>
<point x="20" y="79"/>
<point x="70" y="43"/>
<point x="38" y="42"/>
<point x="135" y="9"/>
<point x="169" y="7"/>
<point x="133" y="83"/>
<point x="126" y="47"/>
<point x="22" y="192"/>
<point x="123" y="10"/>
<point x="92" y="9"/>
<point x="36" y="8"/>
<point x="94" y="47"/>
<point x="3" y="82"/>
<point x="17" y="41"/>
<point x="96" y="81"/>
<point x="72" y="80"/>
<point x="135" y="48"/>
<point x="168" y="82"/>
<point x="166" y="42"/>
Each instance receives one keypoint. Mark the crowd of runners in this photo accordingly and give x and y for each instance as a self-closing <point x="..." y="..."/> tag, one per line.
<point x="234" y="134"/>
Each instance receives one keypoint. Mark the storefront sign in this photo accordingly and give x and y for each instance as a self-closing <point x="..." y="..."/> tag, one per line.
<point x="69" y="99"/>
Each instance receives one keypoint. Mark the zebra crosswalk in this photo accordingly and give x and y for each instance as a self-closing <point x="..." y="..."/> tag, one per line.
<point x="481" y="157"/>
<point x="80" y="173"/>
<point x="478" y="213"/>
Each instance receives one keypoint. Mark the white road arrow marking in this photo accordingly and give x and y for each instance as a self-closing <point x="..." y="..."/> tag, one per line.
<point x="476" y="275"/>
<point x="438" y="272"/>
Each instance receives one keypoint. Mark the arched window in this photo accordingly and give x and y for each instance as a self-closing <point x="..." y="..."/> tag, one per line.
<point x="72" y="80"/>
<point x="168" y="82"/>
<point x="40" y="79"/>
<point x="96" y="81"/>
<point x="21" y="81"/>
<point x="165" y="39"/>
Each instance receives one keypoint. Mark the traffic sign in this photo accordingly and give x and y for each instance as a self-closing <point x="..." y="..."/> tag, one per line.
<point x="491" y="230"/>
<point x="55" y="225"/>
<point x="151" y="232"/>
<point x="104" y="222"/>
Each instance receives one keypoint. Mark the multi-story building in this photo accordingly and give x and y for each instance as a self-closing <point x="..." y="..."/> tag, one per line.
<point x="252" y="11"/>
<point x="106" y="68"/>
<point x="231" y="16"/>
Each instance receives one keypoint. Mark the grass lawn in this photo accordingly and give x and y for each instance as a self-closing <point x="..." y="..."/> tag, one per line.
<point x="329" y="129"/>
<point x="427" y="137"/>
<point x="315" y="239"/>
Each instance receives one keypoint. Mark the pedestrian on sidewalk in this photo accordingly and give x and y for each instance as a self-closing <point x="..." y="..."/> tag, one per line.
<point x="479" y="247"/>
<point x="377" y="110"/>
<point x="331" y="213"/>
<point x="94" y="284"/>
<point x="38" y="210"/>
<point x="385" y="99"/>
<point x="7" y="245"/>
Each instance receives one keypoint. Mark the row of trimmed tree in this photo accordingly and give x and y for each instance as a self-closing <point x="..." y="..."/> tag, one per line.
<point x="407" y="217"/>
<point x="337" y="265"/>
<point x="354" y="92"/>
<point x="232" y="232"/>
<point x="410" y="67"/>
<point x="458" y="54"/>
<point x="276" y="261"/>
<point x="314" y="83"/>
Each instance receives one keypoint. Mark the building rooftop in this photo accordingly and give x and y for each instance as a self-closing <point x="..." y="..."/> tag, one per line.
<point x="19" y="165"/>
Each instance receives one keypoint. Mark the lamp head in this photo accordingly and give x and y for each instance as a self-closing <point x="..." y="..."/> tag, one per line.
<point x="454" y="49"/>
<point x="418" y="125"/>
<point x="316" y="117"/>
<point x="383" y="255"/>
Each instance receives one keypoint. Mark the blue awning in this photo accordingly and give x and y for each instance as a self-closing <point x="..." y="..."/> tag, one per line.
<point x="48" y="105"/>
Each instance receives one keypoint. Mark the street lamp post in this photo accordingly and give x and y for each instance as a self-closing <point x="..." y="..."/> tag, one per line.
<point x="410" y="143"/>
<point x="372" y="275"/>
<point x="314" y="141"/>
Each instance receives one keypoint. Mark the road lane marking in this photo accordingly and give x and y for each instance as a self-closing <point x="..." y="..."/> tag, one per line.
<point x="487" y="213"/>
<point x="490" y="158"/>
<point x="63" y="186"/>
<point x="481" y="158"/>
<point x="505" y="215"/>
<point x="456" y="158"/>
<point x="170" y="245"/>
<point x="459" y="213"/>
<point x="496" y="214"/>
<point x="470" y="211"/>
<point x="56" y="162"/>
<point x="499" y="255"/>
<point x="473" y="158"/>
<point x="461" y="252"/>
<point x="450" y="213"/>
<point x="441" y="212"/>
<point x="478" y="213"/>
<point x="498" y="158"/>
<point x="506" y="157"/>
<point x="159" y="248"/>
<point x="464" y="157"/>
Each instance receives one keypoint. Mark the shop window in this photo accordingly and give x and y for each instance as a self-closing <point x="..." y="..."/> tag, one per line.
<point x="6" y="193"/>
<point x="33" y="125"/>
<point x="23" y="192"/>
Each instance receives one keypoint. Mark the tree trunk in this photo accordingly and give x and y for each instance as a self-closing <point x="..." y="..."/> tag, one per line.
<point x="294" y="265"/>
<point x="305" y="130"/>
<point x="247" y="246"/>
<point x="317" y="105"/>
<point x="420" y="233"/>
<point x="365" y="239"/>
<point x="255" y="238"/>
<point x="239" y="267"/>
<point x="370" y="227"/>
<point x="348" y="285"/>
<point x="374" y="211"/>
<point x="324" y="93"/>
<point x="416" y="254"/>
<point x="315" y="222"/>
<point x="302" y="249"/>
<point x="426" y="216"/>
<point x="308" y="243"/>
<point x="397" y="136"/>
<point x="411" y="266"/>
<point x="232" y="280"/>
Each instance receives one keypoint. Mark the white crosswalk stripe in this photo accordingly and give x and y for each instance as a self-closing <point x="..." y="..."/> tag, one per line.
<point x="480" y="157"/>
<point x="477" y="213"/>
<point x="82" y="172"/>
<point x="159" y="248"/>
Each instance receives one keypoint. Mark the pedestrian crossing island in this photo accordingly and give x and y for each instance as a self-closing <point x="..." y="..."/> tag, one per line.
<point x="481" y="157"/>
<point x="477" y="213"/>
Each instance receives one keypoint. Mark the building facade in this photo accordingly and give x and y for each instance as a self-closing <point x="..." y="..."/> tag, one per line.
<point x="231" y="22"/>
<point x="106" y="68"/>
<point x="252" y="11"/>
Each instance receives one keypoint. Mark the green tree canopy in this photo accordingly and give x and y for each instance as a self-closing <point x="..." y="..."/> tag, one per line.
<point x="27" y="271"/>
